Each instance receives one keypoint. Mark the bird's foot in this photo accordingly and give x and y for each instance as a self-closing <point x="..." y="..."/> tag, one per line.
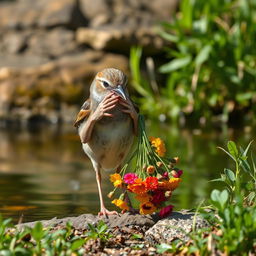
<point x="104" y="212"/>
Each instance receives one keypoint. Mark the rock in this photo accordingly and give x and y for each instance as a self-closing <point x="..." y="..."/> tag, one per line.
<point x="163" y="9"/>
<point x="53" y="43"/>
<point x="13" y="42"/>
<point x="22" y="61"/>
<point x="120" y="38"/>
<point x="64" y="12"/>
<point x="41" y="13"/>
<point x="97" y="11"/>
<point x="177" y="226"/>
<point x="81" y="222"/>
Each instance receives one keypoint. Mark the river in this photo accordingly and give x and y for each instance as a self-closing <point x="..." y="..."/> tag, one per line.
<point x="44" y="172"/>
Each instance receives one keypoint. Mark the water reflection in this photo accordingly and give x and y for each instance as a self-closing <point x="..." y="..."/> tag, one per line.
<point x="44" y="173"/>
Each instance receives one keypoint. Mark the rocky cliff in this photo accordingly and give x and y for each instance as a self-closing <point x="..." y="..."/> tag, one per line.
<point x="51" y="49"/>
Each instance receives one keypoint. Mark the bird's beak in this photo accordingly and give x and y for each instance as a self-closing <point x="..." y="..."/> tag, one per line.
<point x="119" y="90"/>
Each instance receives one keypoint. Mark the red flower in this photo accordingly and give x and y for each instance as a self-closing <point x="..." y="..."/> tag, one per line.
<point x="166" y="211"/>
<point x="151" y="183"/>
<point x="158" y="197"/>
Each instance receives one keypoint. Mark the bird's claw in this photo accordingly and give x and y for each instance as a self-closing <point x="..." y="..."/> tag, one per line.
<point x="104" y="212"/>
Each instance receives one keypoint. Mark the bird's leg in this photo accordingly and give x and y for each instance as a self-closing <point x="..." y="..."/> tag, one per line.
<point x="103" y="210"/>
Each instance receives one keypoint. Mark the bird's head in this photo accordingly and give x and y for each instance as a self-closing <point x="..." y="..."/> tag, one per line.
<point x="107" y="80"/>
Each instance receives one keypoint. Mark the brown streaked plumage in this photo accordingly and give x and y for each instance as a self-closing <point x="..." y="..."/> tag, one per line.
<point x="107" y="123"/>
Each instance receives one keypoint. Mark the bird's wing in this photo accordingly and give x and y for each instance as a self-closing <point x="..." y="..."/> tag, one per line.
<point x="83" y="113"/>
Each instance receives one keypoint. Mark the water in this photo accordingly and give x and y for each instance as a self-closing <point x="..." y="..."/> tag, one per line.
<point x="44" y="172"/>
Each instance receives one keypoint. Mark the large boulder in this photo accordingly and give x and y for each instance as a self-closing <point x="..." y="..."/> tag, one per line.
<point x="177" y="226"/>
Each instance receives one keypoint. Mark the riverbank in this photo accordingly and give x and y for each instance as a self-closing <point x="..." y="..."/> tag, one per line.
<point x="126" y="234"/>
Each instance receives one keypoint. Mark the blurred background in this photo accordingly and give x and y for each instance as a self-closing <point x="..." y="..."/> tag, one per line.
<point x="191" y="67"/>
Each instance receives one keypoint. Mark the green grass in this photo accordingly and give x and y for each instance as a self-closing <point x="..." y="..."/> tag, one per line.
<point x="210" y="63"/>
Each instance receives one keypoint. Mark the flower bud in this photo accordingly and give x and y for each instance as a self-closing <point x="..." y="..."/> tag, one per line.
<point x="121" y="197"/>
<point x="165" y="175"/>
<point x="168" y="194"/>
<point x="110" y="194"/>
<point x="176" y="159"/>
<point x="176" y="173"/>
<point x="180" y="172"/>
<point x="151" y="169"/>
<point x="159" y="164"/>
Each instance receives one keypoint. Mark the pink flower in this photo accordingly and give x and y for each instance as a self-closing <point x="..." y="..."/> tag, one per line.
<point x="158" y="197"/>
<point x="165" y="175"/>
<point x="176" y="174"/>
<point x="166" y="211"/>
<point x="130" y="177"/>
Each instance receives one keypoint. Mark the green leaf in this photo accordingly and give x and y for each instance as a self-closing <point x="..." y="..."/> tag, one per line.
<point x="203" y="55"/>
<point x="215" y="195"/>
<point x="219" y="198"/>
<point x="136" y="236"/>
<point x="175" y="64"/>
<point x="245" y="165"/>
<point x="227" y="153"/>
<point x="233" y="149"/>
<point x="223" y="197"/>
<point x="186" y="9"/>
<point x="227" y="216"/>
<point x="244" y="152"/>
<point x="77" y="244"/>
<point x="37" y="232"/>
<point x="102" y="227"/>
<point x="169" y="37"/>
<point x="251" y="197"/>
<point x="230" y="174"/>
<point x="162" y="248"/>
<point x="5" y="253"/>
<point x="91" y="227"/>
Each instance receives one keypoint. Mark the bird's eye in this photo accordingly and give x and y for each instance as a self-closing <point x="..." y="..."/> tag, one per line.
<point x="106" y="84"/>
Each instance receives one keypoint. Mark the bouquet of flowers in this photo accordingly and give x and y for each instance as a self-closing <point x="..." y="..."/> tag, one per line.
<point x="153" y="180"/>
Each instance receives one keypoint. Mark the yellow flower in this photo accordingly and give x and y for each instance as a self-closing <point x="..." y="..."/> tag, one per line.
<point x="143" y="198"/>
<point x="116" y="179"/>
<point x="159" y="146"/>
<point x="147" y="208"/>
<point x="174" y="183"/>
<point x="121" y="204"/>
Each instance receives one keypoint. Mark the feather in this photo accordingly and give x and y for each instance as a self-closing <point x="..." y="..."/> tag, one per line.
<point x="83" y="113"/>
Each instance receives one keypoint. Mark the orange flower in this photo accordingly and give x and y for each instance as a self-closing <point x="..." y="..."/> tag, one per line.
<point x="169" y="185"/>
<point x="121" y="204"/>
<point x="151" y="169"/>
<point x="159" y="146"/>
<point x="174" y="183"/>
<point x="137" y="187"/>
<point x="116" y="179"/>
<point x="163" y="185"/>
<point x="147" y="208"/>
<point x="143" y="198"/>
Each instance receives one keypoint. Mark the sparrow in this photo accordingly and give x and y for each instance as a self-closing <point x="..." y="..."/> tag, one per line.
<point x="107" y="124"/>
